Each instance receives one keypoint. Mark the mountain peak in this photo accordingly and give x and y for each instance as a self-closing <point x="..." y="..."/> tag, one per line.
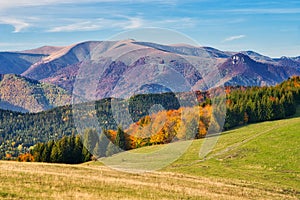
<point x="239" y="58"/>
<point x="45" y="50"/>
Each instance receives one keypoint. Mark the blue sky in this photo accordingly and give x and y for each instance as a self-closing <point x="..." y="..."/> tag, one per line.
<point x="268" y="27"/>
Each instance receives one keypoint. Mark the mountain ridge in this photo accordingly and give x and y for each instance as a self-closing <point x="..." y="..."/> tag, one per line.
<point x="119" y="68"/>
<point x="96" y="50"/>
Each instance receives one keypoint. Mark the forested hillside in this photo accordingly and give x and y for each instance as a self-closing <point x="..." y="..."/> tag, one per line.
<point x="18" y="131"/>
<point x="256" y="104"/>
<point x="21" y="94"/>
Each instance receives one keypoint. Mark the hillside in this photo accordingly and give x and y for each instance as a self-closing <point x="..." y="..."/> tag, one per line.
<point x="235" y="70"/>
<point x="266" y="152"/>
<point x="17" y="63"/>
<point x="258" y="161"/>
<point x="46" y="50"/>
<point x="149" y="119"/>
<point x="263" y="155"/>
<point x="126" y="63"/>
<point x="117" y="67"/>
<point x="96" y="70"/>
<point x="19" y="131"/>
<point x="26" y="95"/>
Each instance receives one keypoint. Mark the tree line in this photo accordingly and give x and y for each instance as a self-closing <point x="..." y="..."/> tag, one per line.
<point x="19" y="132"/>
<point x="257" y="104"/>
<point x="75" y="149"/>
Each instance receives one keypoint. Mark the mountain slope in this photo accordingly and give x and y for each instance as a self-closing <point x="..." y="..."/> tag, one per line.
<point x="46" y="50"/>
<point x="258" y="57"/>
<point x="23" y="94"/>
<point x="57" y="60"/>
<point x="240" y="69"/>
<point x="111" y="60"/>
<point x="101" y="69"/>
<point x="17" y="63"/>
<point x="285" y="61"/>
<point x="122" y="57"/>
<point x="264" y="154"/>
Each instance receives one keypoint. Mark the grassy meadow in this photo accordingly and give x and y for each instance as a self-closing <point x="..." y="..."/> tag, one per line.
<point x="257" y="161"/>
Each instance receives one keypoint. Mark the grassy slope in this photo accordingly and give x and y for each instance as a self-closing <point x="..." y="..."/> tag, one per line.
<point x="268" y="153"/>
<point x="259" y="161"/>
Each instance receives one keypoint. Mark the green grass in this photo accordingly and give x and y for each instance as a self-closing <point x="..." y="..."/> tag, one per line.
<point x="266" y="153"/>
<point x="257" y="161"/>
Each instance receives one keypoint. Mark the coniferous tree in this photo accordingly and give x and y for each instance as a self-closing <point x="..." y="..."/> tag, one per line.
<point x="120" y="139"/>
<point x="77" y="151"/>
<point x="37" y="152"/>
<point x="101" y="146"/>
<point x="90" y="139"/>
<point x="47" y="151"/>
<point x="112" y="149"/>
<point x="54" y="156"/>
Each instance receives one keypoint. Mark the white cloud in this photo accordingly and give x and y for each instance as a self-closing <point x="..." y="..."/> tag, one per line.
<point x="5" y="4"/>
<point x="179" y="23"/>
<point x="265" y="11"/>
<point x="80" y="26"/>
<point x="134" y="22"/>
<point x="121" y="22"/>
<point x="98" y="24"/>
<point x="235" y="37"/>
<point x="18" y="24"/>
<point x="25" y="3"/>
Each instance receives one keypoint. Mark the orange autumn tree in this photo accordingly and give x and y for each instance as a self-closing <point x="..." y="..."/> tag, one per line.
<point x="167" y="126"/>
<point x="26" y="157"/>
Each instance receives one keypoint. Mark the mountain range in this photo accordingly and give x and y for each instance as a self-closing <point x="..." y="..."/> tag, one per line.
<point x="42" y="78"/>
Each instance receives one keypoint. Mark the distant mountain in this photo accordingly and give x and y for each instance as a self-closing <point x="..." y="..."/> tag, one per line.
<point x="285" y="61"/>
<point x="240" y="69"/>
<point x="297" y="58"/>
<point x="114" y="59"/>
<point x="258" y="57"/>
<point x="26" y="95"/>
<point x="46" y="50"/>
<point x="119" y="68"/>
<point x="65" y="57"/>
<point x="17" y="63"/>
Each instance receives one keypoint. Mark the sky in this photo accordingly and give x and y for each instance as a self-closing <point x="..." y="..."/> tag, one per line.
<point x="270" y="27"/>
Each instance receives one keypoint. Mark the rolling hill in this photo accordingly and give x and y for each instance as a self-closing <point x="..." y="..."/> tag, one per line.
<point x="258" y="161"/>
<point x="26" y="95"/>
<point x="149" y="119"/>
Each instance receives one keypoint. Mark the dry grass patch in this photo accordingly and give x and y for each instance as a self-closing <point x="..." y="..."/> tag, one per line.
<point x="54" y="181"/>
